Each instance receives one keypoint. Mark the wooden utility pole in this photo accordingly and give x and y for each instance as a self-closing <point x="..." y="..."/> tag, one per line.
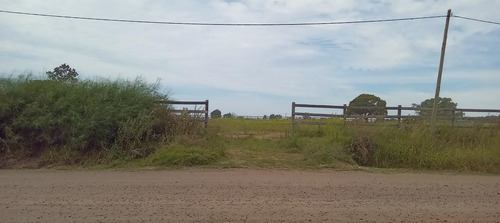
<point x="440" y="72"/>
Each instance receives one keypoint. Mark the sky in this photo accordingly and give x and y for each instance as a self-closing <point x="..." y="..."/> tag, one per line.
<point x="261" y="70"/>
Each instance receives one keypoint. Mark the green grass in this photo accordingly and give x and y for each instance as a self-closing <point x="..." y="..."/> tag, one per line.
<point x="270" y="144"/>
<point x="250" y="126"/>
<point x="117" y="124"/>
<point x="178" y="155"/>
<point x="259" y="153"/>
<point x="258" y="143"/>
<point x="337" y="145"/>
<point x="276" y="153"/>
<point x="445" y="148"/>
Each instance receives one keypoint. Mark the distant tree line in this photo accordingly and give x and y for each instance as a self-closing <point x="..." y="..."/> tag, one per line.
<point x="374" y="105"/>
<point x="218" y="114"/>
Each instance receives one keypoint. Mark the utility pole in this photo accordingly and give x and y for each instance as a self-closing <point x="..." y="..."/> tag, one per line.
<point x="440" y="72"/>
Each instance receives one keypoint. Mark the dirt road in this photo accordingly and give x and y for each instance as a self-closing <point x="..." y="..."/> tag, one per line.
<point x="245" y="195"/>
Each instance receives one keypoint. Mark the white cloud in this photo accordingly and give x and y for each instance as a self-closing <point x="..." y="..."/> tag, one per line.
<point x="320" y="64"/>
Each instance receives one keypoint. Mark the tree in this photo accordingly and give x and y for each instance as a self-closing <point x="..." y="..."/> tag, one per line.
<point x="216" y="113"/>
<point x="442" y="103"/>
<point x="229" y="115"/>
<point x="367" y="100"/>
<point x="273" y="116"/>
<point x="63" y="73"/>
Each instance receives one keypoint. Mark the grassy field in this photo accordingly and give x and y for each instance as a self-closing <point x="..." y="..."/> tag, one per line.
<point x="273" y="144"/>
<point x="245" y="143"/>
<point x="118" y="124"/>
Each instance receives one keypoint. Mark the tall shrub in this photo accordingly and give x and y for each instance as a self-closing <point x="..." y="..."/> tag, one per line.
<point x="84" y="116"/>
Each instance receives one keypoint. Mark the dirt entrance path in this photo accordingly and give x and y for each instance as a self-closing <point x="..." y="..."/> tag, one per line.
<point x="245" y="195"/>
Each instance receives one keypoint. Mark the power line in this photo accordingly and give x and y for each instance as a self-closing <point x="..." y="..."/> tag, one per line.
<point x="477" y="20"/>
<point x="223" y="24"/>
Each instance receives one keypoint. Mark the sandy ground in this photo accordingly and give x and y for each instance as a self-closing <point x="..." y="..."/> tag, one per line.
<point x="245" y="196"/>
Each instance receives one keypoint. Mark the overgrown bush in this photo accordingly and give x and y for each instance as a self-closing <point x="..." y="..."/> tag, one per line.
<point x="117" y="119"/>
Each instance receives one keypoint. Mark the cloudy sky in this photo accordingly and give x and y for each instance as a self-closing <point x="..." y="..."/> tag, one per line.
<point x="262" y="70"/>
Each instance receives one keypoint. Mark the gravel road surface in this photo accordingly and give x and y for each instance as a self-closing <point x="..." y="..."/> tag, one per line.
<point x="241" y="195"/>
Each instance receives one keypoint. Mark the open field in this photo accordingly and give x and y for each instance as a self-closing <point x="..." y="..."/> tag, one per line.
<point x="241" y="195"/>
<point x="113" y="124"/>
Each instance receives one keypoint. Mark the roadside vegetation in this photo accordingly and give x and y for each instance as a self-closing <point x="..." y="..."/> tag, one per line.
<point x="117" y="124"/>
<point x="340" y="144"/>
<point x="417" y="146"/>
<point x="69" y="122"/>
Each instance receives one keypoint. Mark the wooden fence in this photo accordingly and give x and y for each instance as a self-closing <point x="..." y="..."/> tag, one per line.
<point x="399" y="117"/>
<point x="203" y="111"/>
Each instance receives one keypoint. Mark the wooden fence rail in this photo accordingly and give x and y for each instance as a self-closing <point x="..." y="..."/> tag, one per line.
<point x="399" y="110"/>
<point x="204" y="111"/>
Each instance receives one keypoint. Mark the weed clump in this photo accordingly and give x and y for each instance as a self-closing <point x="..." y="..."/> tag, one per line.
<point x="361" y="143"/>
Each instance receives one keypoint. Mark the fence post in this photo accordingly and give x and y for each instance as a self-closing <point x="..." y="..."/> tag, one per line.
<point x="399" y="115"/>
<point x="293" y="114"/>
<point x="206" y="113"/>
<point x="453" y="117"/>
<point x="344" y="112"/>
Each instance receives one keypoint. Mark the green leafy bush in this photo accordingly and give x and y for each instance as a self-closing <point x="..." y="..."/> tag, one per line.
<point x="118" y="118"/>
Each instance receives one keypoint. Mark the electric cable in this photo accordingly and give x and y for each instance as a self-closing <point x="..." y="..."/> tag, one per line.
<point x="223" y="24"/>
<point x="477" y="20"/>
